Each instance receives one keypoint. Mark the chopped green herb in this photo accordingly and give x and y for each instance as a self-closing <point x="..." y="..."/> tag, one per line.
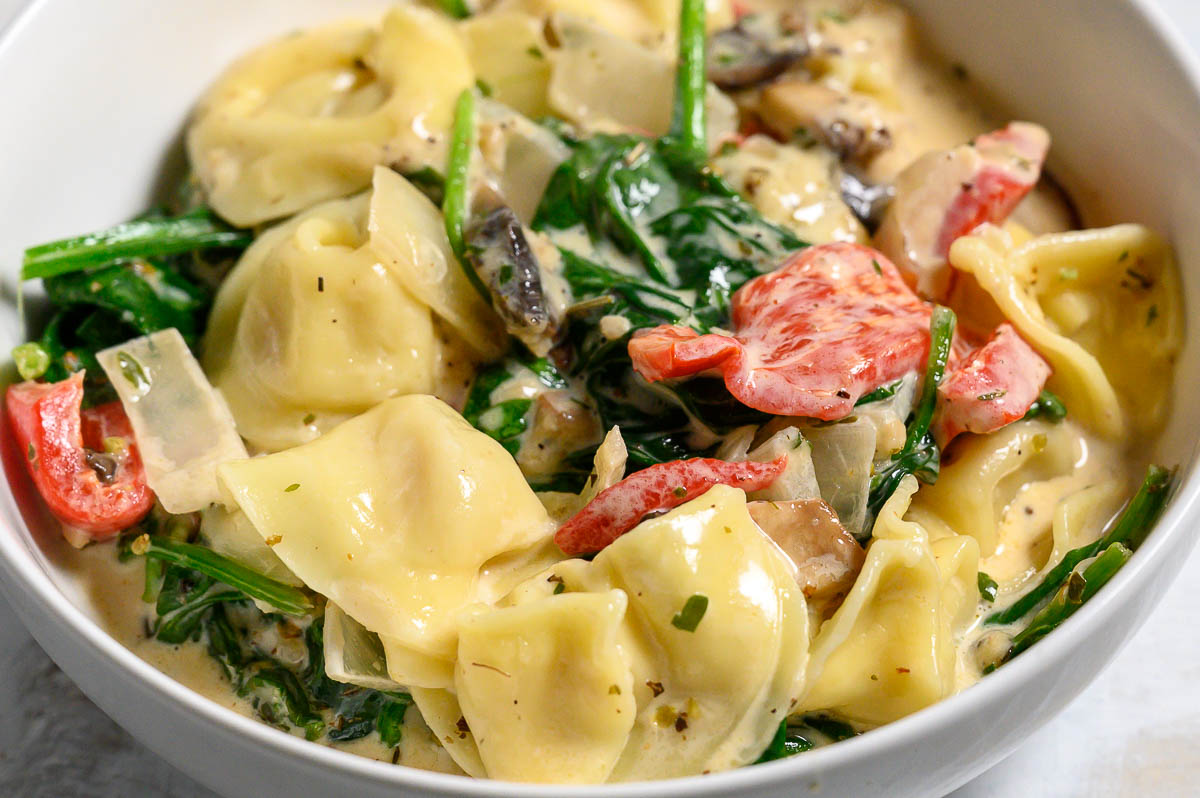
<point x="833" y="15"/>
<point x="991" y="396"/>
<point x="32" y="453"/>
<point x="1068" y="274"/>
<point x="680" y="491"/>
<point x="133" y="372"/>
<point x="1151" y="315"/>
<point x="880" y="393"/>
<point x="292" y="487"/>
<point x="310" y="418"/>
<point x="484" y="87"/>
<point x="559" y="588"/>
<point x="1047" y="406"/>
<point x="804" y="138"/>
<point x="456" y="8"/>
<point x="1124" y="255"/>
<point x="1144" y="282"/>
<point x="31" y="359"/>
<point x="690" y="616"/>
<point x="535" y="52"/>
<point x="876" y="266"/>
<point x="987" y="587"/>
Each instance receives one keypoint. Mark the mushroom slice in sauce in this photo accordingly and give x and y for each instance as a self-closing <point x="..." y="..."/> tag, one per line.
<point x="827" y="557"/>
<point x="851" y="125"/>
<point x="946" y="194"/>
<point x="561" y="425"/>
<point x="501" y="256"/>
<point x="866" y="200"/>
<point x="752" y="52"/>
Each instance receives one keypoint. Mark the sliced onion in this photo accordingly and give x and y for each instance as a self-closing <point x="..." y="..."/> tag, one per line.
<point x="183" y="428"/>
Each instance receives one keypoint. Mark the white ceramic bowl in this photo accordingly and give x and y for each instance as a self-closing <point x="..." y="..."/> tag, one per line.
<point x="95" y="96"/>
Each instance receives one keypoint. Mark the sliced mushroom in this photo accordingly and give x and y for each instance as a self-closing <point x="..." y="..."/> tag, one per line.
<point x="560" y="425"/>
<point x="851" y="125"/>
<point x="504" y="261"/>
<point x="752" y="52"/>
<point x="827" y="557"/>
<point x="868" y="201"/>
<point x="946" y="194"/>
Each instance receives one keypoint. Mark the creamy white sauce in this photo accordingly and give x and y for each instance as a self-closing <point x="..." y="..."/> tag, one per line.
<point x="114" y="590"/>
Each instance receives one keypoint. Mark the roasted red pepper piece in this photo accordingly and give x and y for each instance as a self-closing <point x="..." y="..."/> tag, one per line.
<point x="945" y="195"/>
<point x="992" y="387"/>
<point x="833" y="323"/>
<point x="618" y="509"/>
<point x="57" y="439"/>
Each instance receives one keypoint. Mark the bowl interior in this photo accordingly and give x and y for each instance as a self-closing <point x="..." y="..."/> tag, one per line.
<point x="90" y="137"/>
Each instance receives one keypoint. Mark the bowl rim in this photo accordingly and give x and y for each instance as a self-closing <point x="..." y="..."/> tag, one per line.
<point x="21" y="572"/>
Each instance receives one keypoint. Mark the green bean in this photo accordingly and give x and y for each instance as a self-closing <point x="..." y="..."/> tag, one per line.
<point x="941" y="335"/>
<point x="1078" y="589"/>
<point x="458" y="168"/>
<point x="691" y="83"/>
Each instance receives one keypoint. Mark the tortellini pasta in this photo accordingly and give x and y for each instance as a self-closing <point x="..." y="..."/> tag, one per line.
<point x="329" y="314"/>
<point x="1102" y="306"/>
<point x="651" y="23"/>
<point x="889" y="650"/>
<point x="1026" y="493"/>
<point x="604" y="80"/>
<point x="796" y="188"/>
<point x="532" y="718"/>
<point x="510" y="54"/>
<point x="654" y="698"/>
<point x="307" y="118"/>
<point x="973" y="490"/>
<point x="402" y="516"/>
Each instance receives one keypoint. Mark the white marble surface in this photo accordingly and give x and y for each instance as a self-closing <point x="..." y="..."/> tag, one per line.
<point x="1132" y="733"/>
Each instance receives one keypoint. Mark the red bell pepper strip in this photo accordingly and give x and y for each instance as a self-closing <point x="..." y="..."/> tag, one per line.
<point x="992" y="387"/>
<point x="620" y="508"/>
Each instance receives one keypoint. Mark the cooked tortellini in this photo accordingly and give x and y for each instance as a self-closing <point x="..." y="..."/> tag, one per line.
<point x="796" y="188"/>
<point x="329" y="314"/>
<point x="533" y="719"/>
<point x="890" y="649"/>
<point x="403" y="516"/>
<point x="973" y="492"/>
<point x="604" y="80"/>
<point x="600" y="679"/>
<point x="307" y="118"/>
<point x="651" y="23"/>
<point x="559" y="424"/>
<point x="1102" y="306"/>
